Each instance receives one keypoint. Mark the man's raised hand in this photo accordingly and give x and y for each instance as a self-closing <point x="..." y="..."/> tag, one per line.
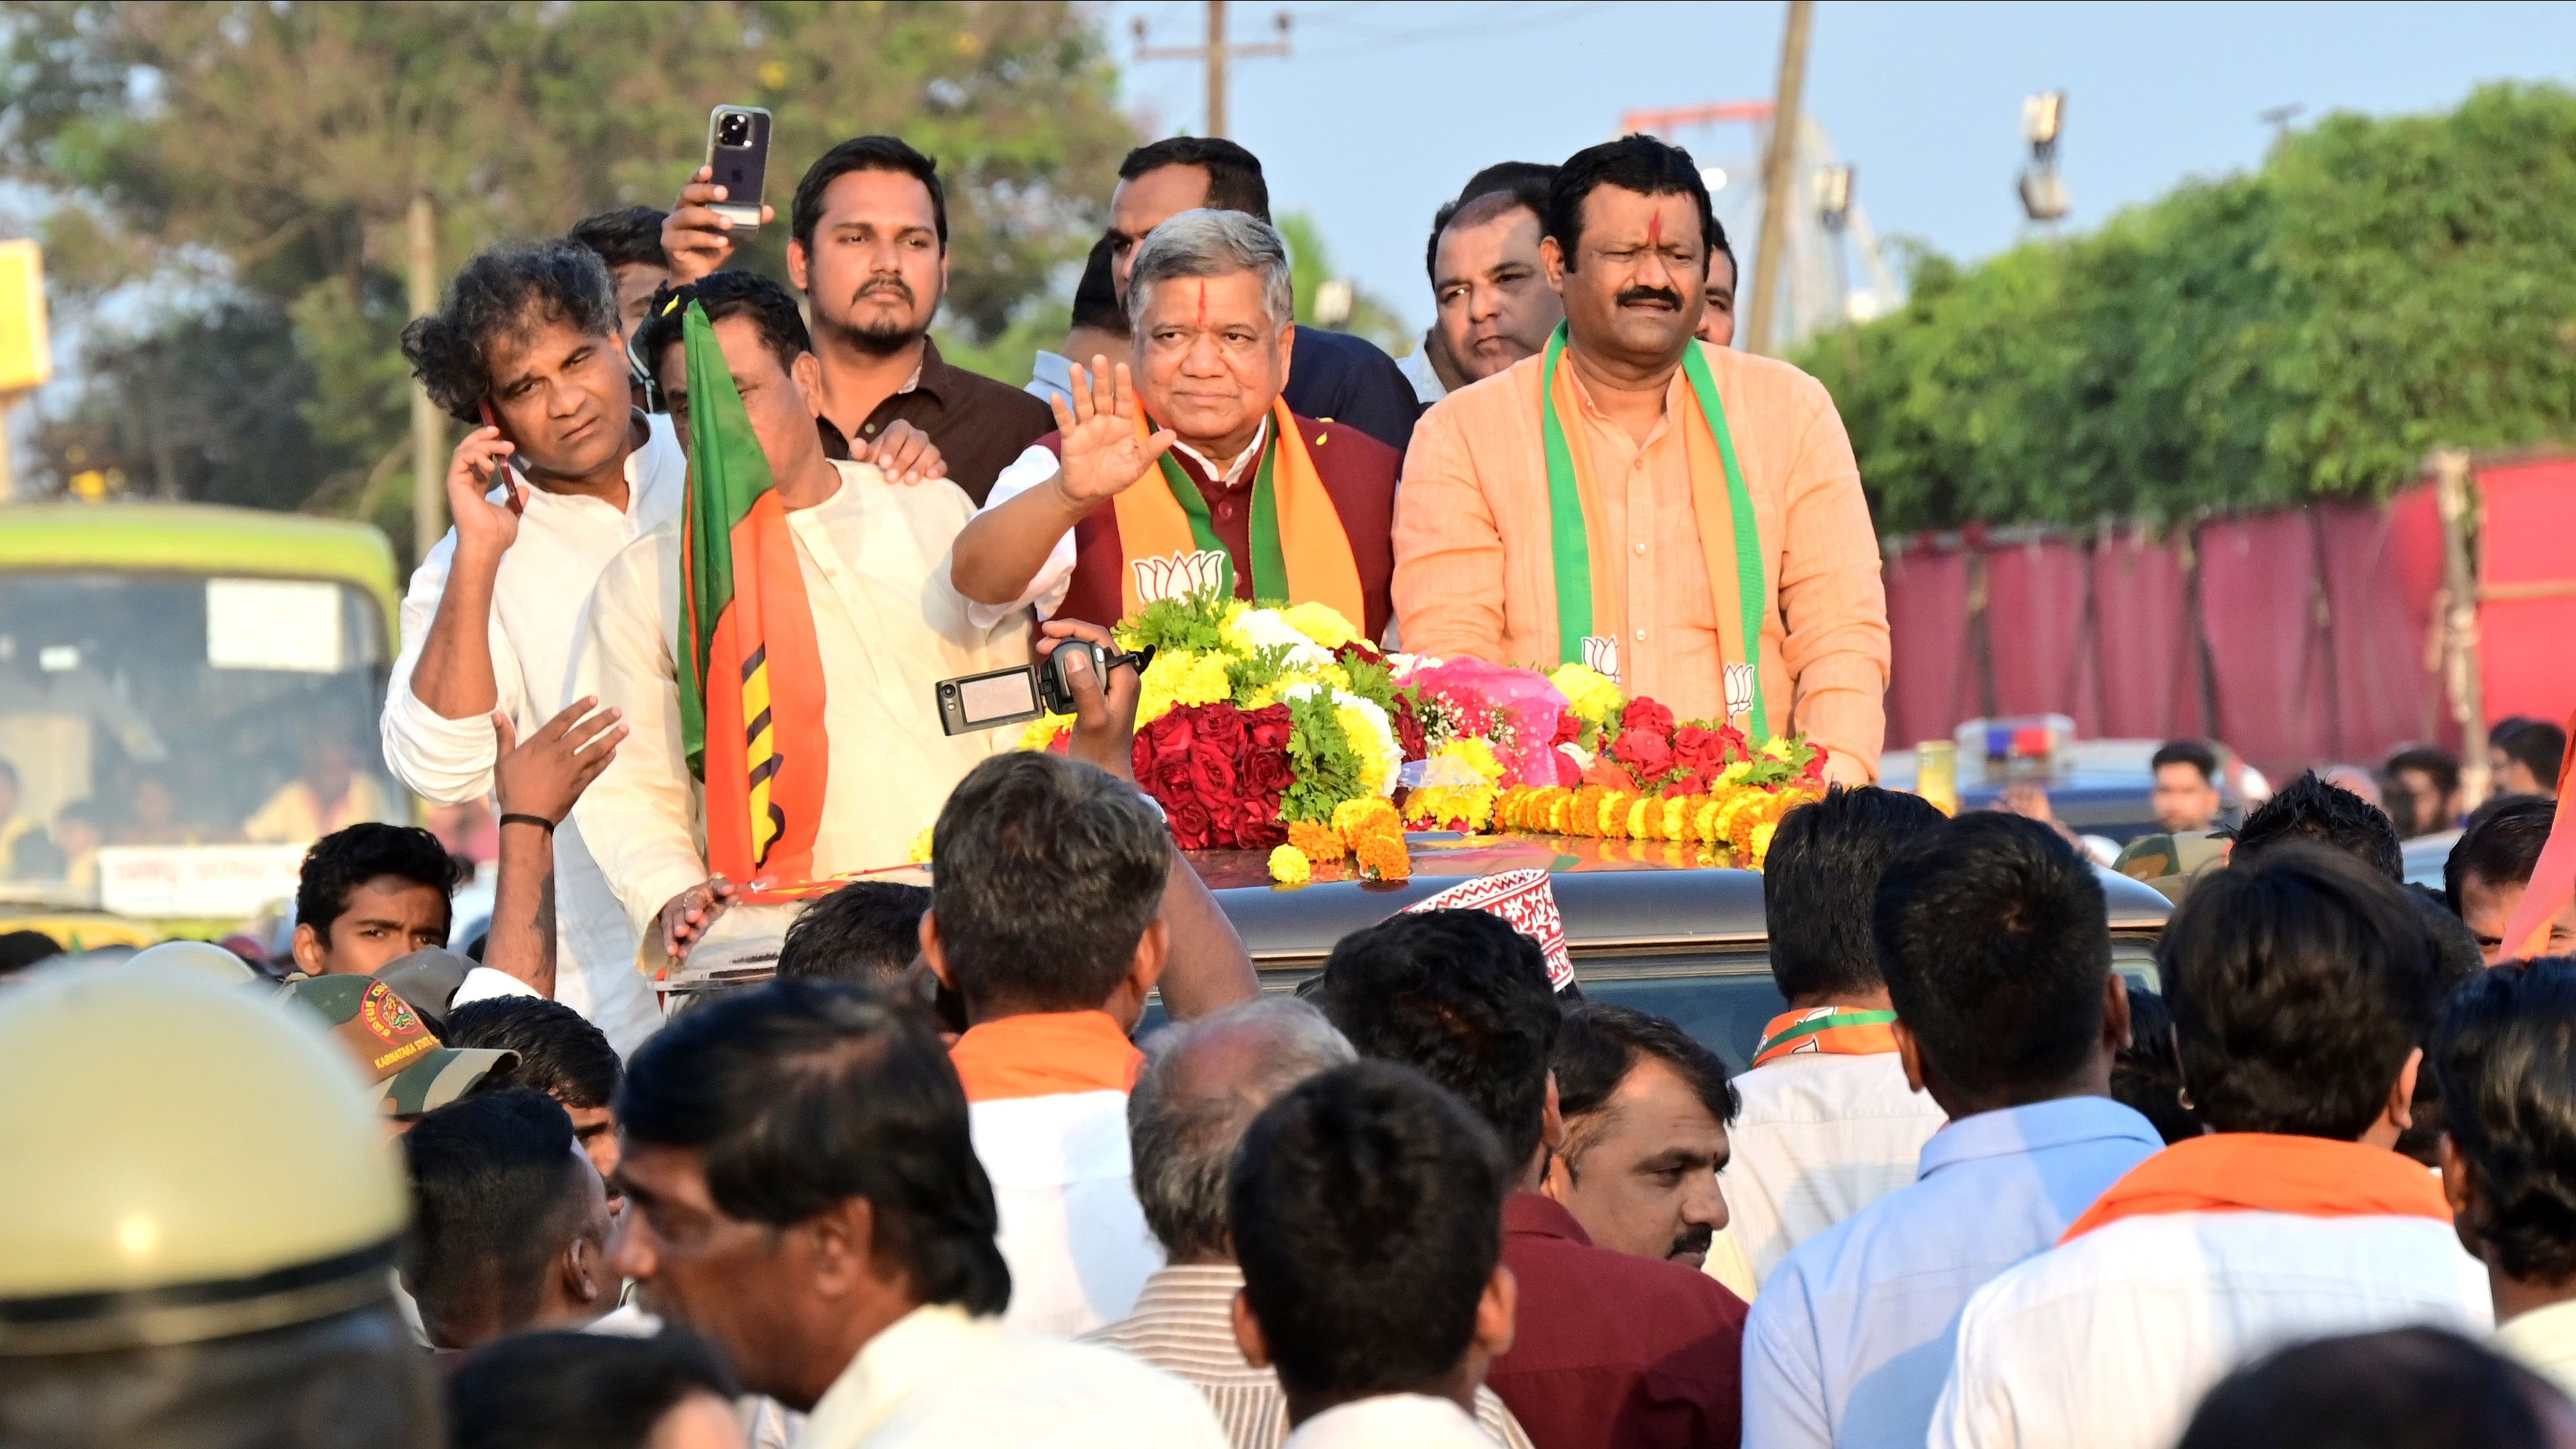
<point x="1104" y="723"/>
<point x="482" y="526"/>
<point x="694" y="237"/>
<point x="1101" y="452"/>
<point x="545" y="774"/>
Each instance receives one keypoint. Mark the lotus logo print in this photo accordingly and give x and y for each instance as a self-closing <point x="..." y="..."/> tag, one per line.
<point x="1739" y="689"/>
<point x="1601" y="655"/>
<point x="1182" y="575"/>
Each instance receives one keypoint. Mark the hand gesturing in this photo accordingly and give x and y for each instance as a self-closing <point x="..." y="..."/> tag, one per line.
<point x="1103" y="456"/>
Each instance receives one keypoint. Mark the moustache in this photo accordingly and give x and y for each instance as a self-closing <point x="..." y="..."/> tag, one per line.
<point x="1631" y="296"/>
<point x="1697" y="1240"/>
<point x="889" y="287"/>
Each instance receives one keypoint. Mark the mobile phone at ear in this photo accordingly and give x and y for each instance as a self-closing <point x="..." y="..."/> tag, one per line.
<point x="501" y="472"/>
<point x="738" y="157"/>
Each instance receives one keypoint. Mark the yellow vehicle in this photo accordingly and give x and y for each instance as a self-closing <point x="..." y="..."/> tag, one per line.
<point x="188" y="696"/>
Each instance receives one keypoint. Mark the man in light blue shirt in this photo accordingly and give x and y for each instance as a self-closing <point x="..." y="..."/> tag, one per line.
<point x="1991" y="934"/>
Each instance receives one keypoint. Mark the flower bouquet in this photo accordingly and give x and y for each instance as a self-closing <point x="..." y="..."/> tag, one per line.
<point x="1255" y="722"/>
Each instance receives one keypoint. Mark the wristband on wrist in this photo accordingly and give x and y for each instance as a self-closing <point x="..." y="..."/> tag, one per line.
<point x="539" y="821"/>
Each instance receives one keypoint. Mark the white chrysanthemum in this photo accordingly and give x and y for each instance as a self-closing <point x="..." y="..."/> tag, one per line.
<point x="1264" y="629"/>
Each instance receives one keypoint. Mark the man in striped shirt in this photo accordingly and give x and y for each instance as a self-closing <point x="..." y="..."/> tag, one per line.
<point x="1204" y="1083"/>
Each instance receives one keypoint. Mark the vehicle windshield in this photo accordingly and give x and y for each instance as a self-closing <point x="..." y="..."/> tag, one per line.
<point x="181" y="710"/>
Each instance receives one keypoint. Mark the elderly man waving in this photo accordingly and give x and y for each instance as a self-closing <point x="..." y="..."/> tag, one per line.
<point x="1213" y="481"/>
<point x="1684" y="517"/>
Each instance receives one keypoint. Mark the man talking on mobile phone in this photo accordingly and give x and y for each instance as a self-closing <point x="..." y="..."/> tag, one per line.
<point x="868" y="246"/>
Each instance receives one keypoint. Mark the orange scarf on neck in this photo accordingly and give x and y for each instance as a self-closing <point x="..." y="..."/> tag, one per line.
<point x="2265" y="1172"/>
<point x="1043" y="1054"/>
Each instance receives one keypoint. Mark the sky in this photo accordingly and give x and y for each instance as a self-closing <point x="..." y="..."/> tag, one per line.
<point x="1384" y="109"/>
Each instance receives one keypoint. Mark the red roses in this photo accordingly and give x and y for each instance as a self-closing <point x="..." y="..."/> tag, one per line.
<point x="1659" y="757"/>
<point x="1218" y="772"/>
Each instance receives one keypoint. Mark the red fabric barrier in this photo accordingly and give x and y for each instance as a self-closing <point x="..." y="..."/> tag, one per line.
<point x="2039" y="632"/>
<point x="2258" y="620"/>
<point x="2527" y="583"/>
<point x="2382" y="694"/>
<point x="1932" y="684"/>
<point x="2147" y="657"/>
<point x="2414" y="573"/>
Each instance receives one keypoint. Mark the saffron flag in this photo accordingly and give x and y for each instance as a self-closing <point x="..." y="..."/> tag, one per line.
<point x="750" y="674"/>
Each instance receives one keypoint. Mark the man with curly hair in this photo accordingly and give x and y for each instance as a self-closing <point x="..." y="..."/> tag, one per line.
<point x="562" y="473"/>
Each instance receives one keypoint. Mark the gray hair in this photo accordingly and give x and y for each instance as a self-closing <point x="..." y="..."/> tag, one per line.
<point x="1183" y="1143"/>
<point x="1208" y="243"/>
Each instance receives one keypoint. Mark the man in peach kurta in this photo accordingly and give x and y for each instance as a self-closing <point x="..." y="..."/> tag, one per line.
<point x="1476" y="557"/>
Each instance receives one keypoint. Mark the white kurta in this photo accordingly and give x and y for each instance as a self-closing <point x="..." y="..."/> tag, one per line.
<point x="2110" y="1341"/>
<point x="539" y="600"/>
<point x="939" y="1377"/>
<point x="889" y="627"/>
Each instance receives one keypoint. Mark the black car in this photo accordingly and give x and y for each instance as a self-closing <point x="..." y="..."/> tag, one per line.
<point x="1644" y="927"/>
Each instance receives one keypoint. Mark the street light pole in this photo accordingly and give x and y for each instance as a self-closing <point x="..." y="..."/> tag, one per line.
<point x="1215" y="53"/>
<point x="1779" y="161"/>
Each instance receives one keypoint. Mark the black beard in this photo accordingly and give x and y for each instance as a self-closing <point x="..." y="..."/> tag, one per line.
<point x="879" y="341"/>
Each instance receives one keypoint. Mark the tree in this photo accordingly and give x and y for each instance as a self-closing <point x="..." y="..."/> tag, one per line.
<point x="288" y="140"/>
<point x="2309" y="330"/>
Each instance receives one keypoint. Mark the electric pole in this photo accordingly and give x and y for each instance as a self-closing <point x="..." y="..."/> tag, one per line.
<point x="1216" y="53"/>
<point x="1779" y="162"/>
<point x="428" y="429"/>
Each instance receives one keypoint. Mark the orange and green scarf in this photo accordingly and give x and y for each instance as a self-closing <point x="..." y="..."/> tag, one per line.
<point x="1299" y="552"/>
<point x="1729" y="534"/>
<point x="2266" y="1172"/>
<point x="751" y="674"/>
<point x="1839" y="1031"/>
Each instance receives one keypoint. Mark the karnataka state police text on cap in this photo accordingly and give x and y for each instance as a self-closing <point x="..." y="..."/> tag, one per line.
<point x="393" y="1046"/>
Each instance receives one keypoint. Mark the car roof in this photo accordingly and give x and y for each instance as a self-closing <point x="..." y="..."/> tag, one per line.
<point x="1613" y="895"/>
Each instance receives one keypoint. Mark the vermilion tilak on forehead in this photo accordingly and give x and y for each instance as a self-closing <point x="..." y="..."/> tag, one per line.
<point x="1655" y="228"/>
<point x="1202" y="305"/>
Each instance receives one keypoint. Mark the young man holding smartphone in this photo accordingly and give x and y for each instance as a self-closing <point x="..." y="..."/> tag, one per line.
<point x="870" y="251"/>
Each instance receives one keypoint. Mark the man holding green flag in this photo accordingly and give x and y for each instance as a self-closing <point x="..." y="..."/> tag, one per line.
<point x="773" y="648"/>
<point x="1684" y="518"/>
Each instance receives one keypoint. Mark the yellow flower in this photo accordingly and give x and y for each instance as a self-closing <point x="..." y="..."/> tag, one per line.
<point x="1322" y="623"/>
<point x="1736" y="772"/>
<point x="1779" y="748"/>
<point x="1641" y="817"/>
<point x="1592" y="695"/>
<point x="1289" y="866"/>
<point x="1352" y="818"/>
<point x="1042" y="731"/>
<point x="919" y="853"/>
<point x="1762" y="842"/>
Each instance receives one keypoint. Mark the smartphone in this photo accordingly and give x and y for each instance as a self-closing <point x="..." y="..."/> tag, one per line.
<point x="738" y="155"/>
<point x="503" y="474"/>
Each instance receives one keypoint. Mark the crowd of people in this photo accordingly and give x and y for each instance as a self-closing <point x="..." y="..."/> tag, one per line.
<point x="1026" y="1155"/>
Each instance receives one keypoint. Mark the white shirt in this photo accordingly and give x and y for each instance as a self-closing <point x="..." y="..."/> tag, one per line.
<point x="538" y="603"/>
<point x="1050" y="377"/>
<point x="889" y="627"/>
<point x="1821" y="1136"/>
<point x="1417" y="369"/>
<point x="940" y="1378"/>
<point x="1071" y="1229"/>
<point x="1054" y="578"/>
<point x="2111" y="1340"/>
<point x="2543" y="1341"/>
<point x="1391" y="1421"/>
